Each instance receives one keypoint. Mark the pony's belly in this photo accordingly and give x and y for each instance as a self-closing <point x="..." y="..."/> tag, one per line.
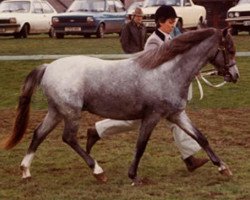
<point x="122" y="113"/>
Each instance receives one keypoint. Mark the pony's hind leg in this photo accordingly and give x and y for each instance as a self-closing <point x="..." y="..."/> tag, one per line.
<point x="69" y="137"/>
<point x="183" y="121"/>
<point x="50" y="121"/>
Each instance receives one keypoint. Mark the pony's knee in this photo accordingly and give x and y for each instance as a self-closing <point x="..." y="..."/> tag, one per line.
<point x="69" y="139"/>
<point x="69" y="134"/>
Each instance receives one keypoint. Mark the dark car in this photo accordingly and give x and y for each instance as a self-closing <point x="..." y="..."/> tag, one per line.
<point x="90" y="17"/>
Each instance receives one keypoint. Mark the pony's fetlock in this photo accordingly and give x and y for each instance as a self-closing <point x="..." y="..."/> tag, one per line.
<point x="224" y="169"/>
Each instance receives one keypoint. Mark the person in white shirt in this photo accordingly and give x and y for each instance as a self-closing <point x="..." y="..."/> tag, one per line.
<point x="165" y="18"/>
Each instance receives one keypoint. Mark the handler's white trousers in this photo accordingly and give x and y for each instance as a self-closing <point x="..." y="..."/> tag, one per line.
<point x="186" y="145"/>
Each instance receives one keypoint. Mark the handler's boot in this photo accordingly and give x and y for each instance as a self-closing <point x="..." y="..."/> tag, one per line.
<point x="92" y="138"/>
<point x="193" y="163"/>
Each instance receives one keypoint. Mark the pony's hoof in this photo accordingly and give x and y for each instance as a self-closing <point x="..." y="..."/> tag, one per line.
<point x="137" y="182"/>
<point x="25" y="172"/>
<point x="225" y="171"/>
<point x="141" y="182"/>
<point x="102" y="178"/>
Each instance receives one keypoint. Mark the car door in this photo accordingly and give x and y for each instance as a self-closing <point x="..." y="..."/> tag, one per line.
<point x="109" y="17"/>
<point x="120" y="15"/>
<point x="48" y="12"/>
<point x="189" y="14"/>
<point x="37" y="23"/>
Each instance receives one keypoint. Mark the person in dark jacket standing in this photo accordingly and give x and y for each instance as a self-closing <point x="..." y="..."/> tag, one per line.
<point x="134" y="34"/>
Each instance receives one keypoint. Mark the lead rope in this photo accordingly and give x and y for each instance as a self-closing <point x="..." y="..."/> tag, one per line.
<point x="201" y="75"/>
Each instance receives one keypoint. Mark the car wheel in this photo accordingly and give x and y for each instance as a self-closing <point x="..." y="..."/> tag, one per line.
<point x="201" y="24"/>
<point x="52" y="33"/>
<point x="25" y="31"/>
<point x="100" y="31"/>
<point x="234" y="31"/>
<point x="59" y="35"/>
<point x="17" y="35"/>
<point x="87" y="35"/>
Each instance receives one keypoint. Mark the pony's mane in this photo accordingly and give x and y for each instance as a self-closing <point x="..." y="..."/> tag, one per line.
<point x="152" y="58"/>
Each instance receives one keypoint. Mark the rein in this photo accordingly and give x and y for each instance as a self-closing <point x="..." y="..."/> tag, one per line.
<point x="208" y="73"/>
<point x="220" y="72"/>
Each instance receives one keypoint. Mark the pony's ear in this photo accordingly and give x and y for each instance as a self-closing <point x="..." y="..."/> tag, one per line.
<point x="226" y="31"/>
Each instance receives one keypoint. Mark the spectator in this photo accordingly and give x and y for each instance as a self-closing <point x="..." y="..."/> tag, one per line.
<point x="133" y="34"/>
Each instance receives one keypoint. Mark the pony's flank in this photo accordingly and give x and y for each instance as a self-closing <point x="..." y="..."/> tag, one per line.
<point x="152" y="58"/>
<point x="22" y="114"/>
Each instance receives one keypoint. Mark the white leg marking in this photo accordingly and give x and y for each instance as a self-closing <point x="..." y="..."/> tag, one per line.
<point x="25" y="165"/>
<point x="97" y="169"/>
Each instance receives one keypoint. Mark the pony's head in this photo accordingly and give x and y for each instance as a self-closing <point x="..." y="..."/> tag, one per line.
<point x="224" y="58"/>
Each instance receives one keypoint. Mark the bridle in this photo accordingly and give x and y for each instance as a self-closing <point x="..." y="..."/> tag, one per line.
<point x="220" y="71"/>
<point x="227" y="65"/>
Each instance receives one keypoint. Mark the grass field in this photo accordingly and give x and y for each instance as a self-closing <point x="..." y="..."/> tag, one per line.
<point x="59" y="174"/>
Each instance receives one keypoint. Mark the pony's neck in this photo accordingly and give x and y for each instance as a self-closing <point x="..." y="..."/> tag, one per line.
<point x="197" y="57"/>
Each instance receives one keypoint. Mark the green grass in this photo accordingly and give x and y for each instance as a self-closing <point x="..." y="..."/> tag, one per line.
<point x="58" y="173"/>
<point x="110" y="44"/>
<point x="70" y="45"/>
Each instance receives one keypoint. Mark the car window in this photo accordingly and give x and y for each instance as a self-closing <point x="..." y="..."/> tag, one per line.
<point x="38" y="7"/>
<point x="47" y="8"/>
<point x="111" y="6"/>
<point x="119" y="7"/>
<point x="187" y="3"/>
<point x="244" y="1"/>
<point x="15" y="6"/>
<point x="152" y="3"/>
<point x="87" y="6"/>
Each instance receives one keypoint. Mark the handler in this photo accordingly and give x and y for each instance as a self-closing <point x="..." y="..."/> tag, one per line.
<point x="165" y="18"/>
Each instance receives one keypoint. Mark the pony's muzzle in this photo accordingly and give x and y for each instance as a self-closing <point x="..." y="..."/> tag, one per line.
<point x="232" y="75"/>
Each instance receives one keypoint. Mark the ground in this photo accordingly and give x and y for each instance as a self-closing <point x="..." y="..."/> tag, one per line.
<point x="56" y="165"/>
<point x="233" y="123"/>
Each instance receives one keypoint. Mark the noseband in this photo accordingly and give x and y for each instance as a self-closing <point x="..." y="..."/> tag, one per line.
<point x="227" y="65"/>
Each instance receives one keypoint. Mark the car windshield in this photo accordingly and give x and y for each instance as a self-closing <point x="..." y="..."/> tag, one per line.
<point x="244" y="1"/>
<point x="15" y="6"/>
<point x="87" y="6"/>
<point x="151" y="3"/>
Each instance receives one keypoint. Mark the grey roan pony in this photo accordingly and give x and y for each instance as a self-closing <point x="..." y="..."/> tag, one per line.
<point x="149" y="86"/>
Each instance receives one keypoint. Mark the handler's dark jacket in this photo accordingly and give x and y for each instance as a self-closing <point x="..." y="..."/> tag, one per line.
<point x="133" y="37"/>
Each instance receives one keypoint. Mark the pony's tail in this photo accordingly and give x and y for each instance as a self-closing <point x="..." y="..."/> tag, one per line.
<point x="22" y="114"/>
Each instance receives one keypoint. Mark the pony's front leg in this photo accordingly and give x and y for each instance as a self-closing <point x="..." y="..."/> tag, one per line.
<point x="147" y="126"/>
<point x="183" y="121"/>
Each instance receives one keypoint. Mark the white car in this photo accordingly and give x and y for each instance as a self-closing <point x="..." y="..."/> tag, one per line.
<point x="238" y="17"/>
<point x="189" y="14"/>
<point x="23" y="17"/>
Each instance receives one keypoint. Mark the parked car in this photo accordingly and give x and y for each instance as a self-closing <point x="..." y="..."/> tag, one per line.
<point x="238" y="17"/>
<point x="90" y="17"/>
<point x="189" y="14"/>
<point x="23" y="17"/>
